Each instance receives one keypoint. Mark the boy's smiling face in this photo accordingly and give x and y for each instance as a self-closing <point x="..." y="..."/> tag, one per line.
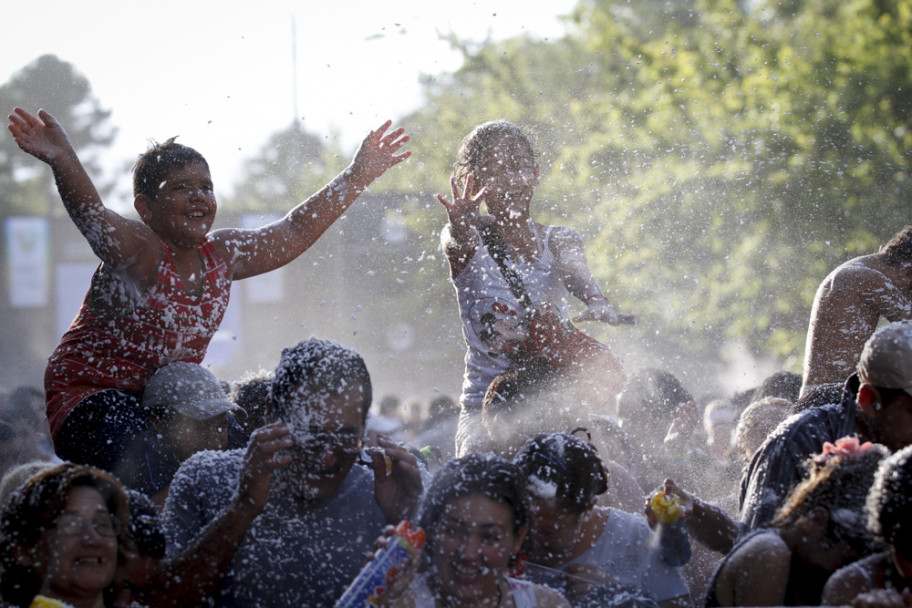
<point x="184" y="210"/>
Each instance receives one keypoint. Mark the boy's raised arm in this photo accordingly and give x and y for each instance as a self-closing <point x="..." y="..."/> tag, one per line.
<point x="257" y="251"/>
<point x="114" y="238"/>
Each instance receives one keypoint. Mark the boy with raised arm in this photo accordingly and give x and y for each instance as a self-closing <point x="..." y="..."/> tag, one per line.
<point x="162" y="287"/>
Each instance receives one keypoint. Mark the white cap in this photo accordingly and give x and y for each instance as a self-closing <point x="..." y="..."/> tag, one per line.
<point x="886" y="361"/>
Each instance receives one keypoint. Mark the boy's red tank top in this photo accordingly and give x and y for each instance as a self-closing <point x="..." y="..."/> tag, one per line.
<point x="168" y="324"/>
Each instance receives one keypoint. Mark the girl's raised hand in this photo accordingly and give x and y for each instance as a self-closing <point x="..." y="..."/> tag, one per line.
<point x="463" y="210"/>
<point x="378" y="152"/>
<point x="41" y="136"/>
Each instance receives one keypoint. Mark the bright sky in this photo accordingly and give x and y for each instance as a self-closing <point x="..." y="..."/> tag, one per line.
<point x="220" y="74"/>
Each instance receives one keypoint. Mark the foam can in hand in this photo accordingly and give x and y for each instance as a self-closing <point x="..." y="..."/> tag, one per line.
<point x="674" y="541"/>
<point x="371" y="583"/>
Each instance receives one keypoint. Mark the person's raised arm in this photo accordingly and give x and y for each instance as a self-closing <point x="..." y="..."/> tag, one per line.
<point x="568" y="250"/>
<point x="460" y="238"/>
<point x="115" y="239"/>
<point x="192" y="575"/>
<point x="257" y="251"/>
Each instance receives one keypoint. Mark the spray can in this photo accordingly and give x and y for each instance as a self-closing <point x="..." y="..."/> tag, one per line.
<point x="371" y="582"/>
<point x="674" y="541"/>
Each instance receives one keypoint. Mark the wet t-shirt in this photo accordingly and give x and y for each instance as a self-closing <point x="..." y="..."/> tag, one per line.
<point x="292" y="555"/>
<point x="168" y="323"/>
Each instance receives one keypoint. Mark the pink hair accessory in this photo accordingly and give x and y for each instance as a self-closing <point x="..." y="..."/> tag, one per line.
<point x="847" y="447"/>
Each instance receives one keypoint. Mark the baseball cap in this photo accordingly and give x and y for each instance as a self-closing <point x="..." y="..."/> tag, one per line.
<point x="188" y="389"/>
<point x="886" y="361"/>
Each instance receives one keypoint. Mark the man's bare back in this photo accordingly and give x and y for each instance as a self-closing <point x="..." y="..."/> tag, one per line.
<point x="847" y="308"/>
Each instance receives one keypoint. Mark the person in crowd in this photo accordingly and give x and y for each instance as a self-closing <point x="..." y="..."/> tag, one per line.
<point x="877" y="407"/>
<point x="848" y="305"/>
<point x="389" y="419"/>
<point x="525" y="401"/>
<point x="439" y="428"/>
<point x="496" y="166"/>
<point x="757" y="422"/>
<point x="24" y="411"/>
<point x="16" y="476"/>
<point x="250" y="393"/>
<point x="475" y="516"/>
<point x="885" y="578"/>
<point x="162" y="287"/>
<point x="818" y="395"/>
<point x="781" y="384"/>
<point x="302" y="531"/>
<point x="580" y="544"/>
<point x="659" y="416"/>
<point x="819" y="529"/>
<point x="189" y="413"/>
<point x="719" y="422"/>
<point x="59" y="537"/>
<point x="141" y="552"/>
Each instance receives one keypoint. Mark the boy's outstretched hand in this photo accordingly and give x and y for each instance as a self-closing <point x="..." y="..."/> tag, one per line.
<point x="378" y="152"/>
<point x="41" y="136"/>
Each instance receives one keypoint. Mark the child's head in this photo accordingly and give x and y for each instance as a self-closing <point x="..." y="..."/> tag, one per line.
<point x="839" y="480"/>
<point x="889" y="503"/>
<point x="562" y="469"/>
<point x="155" y="164"/>
<point x="478" y="147"/>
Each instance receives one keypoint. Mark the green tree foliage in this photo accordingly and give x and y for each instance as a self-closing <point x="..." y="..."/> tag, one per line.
<point x="719" y="163"/>
<point x="291" y="165"/>
<point x="26" y="186"/>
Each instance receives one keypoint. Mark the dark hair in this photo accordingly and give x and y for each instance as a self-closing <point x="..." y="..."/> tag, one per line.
<point x="840" y="484"/>
<point x="654" y="393"/>
<point x="510" y="390"/>
<point x="474" y="474"/>
<point x="476" y="142"/>
<point x="785" y="385"/>
<point x="899" y="249"/>
<point x="889" y="503"/>
<point x="34" y="507"/>
<point x="323" y="368"/>
<point x="818" y="396"/>
<point x="145" y="527"/>
<point x="153" y="166"/>
<point x="251" y="392"/>
<point x="562" y="468"/>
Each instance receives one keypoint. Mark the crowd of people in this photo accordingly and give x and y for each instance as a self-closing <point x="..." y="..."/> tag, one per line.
<point x="557" y="478"/>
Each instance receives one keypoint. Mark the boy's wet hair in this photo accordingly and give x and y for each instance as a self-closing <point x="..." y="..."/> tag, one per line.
<point x="153" y="166"/>
<point x="477" y="141"/>
<point x="899" y="249"/>
<point x="563" y="469"/>
<point x="316" y="369"/>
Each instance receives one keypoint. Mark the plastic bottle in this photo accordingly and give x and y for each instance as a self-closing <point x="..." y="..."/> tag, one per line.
<point x="674" y="541"/>
<point x="371" y="582"/>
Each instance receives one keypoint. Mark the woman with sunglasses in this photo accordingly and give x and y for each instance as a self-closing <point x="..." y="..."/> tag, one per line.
<point x="59" y="537"/>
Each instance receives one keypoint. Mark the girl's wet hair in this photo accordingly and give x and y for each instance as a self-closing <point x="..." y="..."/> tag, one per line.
<point x="153" y="166"/>
<point x="474" y="474"/>
<point x="477" y="141"/>
<point x="840" y="484"/>
<point x="563" y="469"/>
<point x="889" y="503"/>
<point x="34" y="508"/>
<point x="318" y="369"/>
